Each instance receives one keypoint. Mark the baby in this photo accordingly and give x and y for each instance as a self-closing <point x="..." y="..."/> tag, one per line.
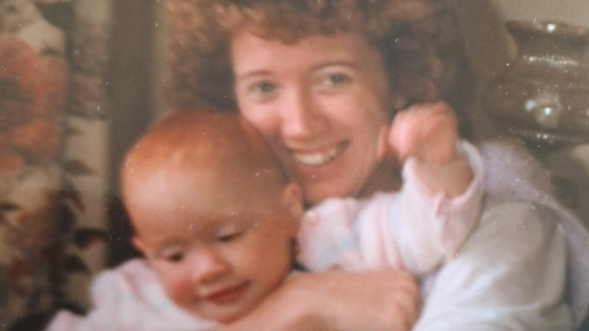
<point x="217" y="221"/>
<point x="215" y="218"/>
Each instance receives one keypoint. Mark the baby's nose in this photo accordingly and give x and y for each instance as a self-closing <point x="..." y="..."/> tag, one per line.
<point x="208" y="266"/>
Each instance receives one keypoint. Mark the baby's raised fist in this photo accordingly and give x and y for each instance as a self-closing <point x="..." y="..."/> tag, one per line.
<point x="428" y="132"/>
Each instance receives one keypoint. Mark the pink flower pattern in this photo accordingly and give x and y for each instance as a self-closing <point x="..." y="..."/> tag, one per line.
<point x="39" y="206"/>
<point x="32" y="94"/>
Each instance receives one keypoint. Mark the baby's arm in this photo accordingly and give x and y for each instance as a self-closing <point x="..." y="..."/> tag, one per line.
<point x="440" y="202"/>
<point x="429" y="133"/>
<point x="326" y="240"/>
<point x="429" y="219"/>
<point x="429" y="228"/>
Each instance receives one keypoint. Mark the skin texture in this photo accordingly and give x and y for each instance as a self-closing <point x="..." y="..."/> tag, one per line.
<point x="419" y="39"/>
<point x="218" y="236"/>
<point x="426" y="63"/>
<point x="323" y="92"/>
<point x="323" y="104"/>
<point x="319" y="96"/>
<point x="385" y="300"/>
<point x="429" y="133"/>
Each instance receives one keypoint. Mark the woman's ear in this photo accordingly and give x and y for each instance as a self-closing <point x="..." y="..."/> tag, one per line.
<point x="397" y="102"/>
<point x="382" y="147"/>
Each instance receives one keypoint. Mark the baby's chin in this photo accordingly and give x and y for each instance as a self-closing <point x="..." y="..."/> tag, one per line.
<point x="230" y="317"/>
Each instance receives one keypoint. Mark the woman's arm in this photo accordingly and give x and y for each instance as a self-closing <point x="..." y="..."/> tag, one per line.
<point x="338" y="301"/>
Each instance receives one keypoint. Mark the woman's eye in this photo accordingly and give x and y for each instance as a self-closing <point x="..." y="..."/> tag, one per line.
<point x="333" y="81"/>
<point x="262" y="88"/>
<point x="337" y="79"/>
<point x="259" y="90"/>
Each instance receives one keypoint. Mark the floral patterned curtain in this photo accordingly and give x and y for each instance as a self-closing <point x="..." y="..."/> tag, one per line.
<point x="52" y="58"/>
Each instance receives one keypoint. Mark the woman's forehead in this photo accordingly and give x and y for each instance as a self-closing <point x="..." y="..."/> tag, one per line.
<point x="250" y="52"/>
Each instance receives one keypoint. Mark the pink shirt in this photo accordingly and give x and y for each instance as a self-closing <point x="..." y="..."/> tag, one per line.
<point x="130" y="298"/>
<point x="413" y="229"/>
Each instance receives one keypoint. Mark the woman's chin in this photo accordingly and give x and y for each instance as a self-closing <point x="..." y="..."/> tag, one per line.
<point x="314" y="193"/>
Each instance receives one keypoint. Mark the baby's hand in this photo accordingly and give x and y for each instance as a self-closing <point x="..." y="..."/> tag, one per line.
<point x="428" y="132"/>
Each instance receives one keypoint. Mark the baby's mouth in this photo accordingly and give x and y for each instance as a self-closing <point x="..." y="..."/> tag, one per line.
<point x="227" y="295"/>
<point x="319" y="158"/>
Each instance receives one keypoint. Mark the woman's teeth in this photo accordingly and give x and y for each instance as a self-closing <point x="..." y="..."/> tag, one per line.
<point x="319" y="158"/>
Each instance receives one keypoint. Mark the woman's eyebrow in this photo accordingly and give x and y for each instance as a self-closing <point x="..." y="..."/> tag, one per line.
<point x="342" y="63"/>
<point x="252" y="74"/>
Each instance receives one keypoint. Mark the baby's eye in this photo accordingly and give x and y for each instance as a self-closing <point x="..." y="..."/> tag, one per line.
<point x="229" y="236"/>
<point x="173" y="256"/>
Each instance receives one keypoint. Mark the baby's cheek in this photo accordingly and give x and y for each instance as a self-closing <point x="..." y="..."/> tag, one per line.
<point x="178" y="289"/>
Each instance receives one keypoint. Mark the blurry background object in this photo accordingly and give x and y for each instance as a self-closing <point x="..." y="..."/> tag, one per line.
<point x="492" y="48"/>
<point x="52" y="100"/>
<point x="543" y="94"/>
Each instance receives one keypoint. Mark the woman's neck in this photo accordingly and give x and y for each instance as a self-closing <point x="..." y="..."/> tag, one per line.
<point x="386" y="177"/>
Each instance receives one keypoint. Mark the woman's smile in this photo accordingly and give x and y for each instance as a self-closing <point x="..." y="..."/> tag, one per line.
<point x="320" y="157"/>
<point x="324" y="114"/>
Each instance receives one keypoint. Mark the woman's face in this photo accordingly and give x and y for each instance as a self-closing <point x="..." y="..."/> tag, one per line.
<point x="321" y="103"/>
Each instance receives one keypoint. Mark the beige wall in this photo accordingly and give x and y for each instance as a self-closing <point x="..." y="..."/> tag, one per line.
<point x="572" y="11"/>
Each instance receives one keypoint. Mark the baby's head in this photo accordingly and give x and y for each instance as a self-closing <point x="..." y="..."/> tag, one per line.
<point x="212" y="211"/>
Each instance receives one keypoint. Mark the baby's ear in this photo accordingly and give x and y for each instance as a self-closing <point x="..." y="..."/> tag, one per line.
<point x="138" y="244"/>
<point x="292" y="199"/>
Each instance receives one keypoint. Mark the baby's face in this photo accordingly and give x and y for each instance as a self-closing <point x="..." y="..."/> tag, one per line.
<point x="217" y="255"/>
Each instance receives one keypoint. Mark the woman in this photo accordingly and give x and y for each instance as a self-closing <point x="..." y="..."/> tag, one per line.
<point x="319" y="78"/>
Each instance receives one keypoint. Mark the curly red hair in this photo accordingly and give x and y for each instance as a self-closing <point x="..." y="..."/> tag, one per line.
<point x="418" y="39"/>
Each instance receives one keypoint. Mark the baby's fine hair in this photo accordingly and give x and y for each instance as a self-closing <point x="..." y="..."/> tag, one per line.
<point x="419" y="42"/>
<point x="203" y="142"/>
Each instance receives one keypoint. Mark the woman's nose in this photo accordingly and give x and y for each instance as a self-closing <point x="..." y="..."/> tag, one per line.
<point x="208" y="266"/>
<point x="302" y="116"/>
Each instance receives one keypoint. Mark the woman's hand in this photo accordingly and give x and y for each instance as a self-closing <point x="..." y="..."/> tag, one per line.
<point x="338" y="301"/>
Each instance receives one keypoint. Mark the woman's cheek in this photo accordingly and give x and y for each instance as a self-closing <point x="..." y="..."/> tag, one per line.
<point x="263" y="118"/>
